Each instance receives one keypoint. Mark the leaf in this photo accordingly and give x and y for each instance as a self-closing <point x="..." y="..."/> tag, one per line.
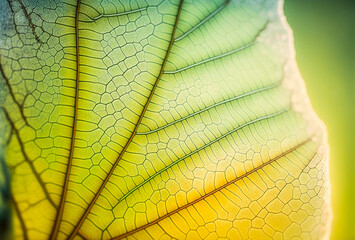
<point x="5" y="200"/>
<point x="158" y="119"/>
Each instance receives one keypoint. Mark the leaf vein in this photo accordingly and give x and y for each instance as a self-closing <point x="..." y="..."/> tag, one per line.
<point x="212" y="58"/>
<point x="113" y="14"/>
<point x="83" y="217"/>
<point x="198" y="150"/>
<point x="210" y="107"/>
<point x="20" y="218"/>
<point x="214" y="191"/>
<point x="58" y="218"/>
<point x="203" y="21"/>
<point x="7" y="82"/>
<point x="27" y="159"/>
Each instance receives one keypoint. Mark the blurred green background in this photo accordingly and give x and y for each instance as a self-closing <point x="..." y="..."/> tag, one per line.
<point x="325" y="49"/>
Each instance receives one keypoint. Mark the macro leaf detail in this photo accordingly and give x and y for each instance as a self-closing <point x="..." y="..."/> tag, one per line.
<point x="150" y="119"/>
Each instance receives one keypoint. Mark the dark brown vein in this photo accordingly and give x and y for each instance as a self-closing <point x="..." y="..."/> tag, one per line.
<point x="10" y="137"/>
<point x="13" y="15"/>
<point x="82" y="236"/>
<point x="27" y="159"/>
<point x="214" y="191"/>
<point x="22" y="222"/>
<point x="7" y="82"/>
<point x="28" y="16"/>
<point x="77" y="227"/>
<point x="66" y="181"/>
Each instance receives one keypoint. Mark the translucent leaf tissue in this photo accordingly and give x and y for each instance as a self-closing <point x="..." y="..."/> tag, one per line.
<point x="156" y="119"/>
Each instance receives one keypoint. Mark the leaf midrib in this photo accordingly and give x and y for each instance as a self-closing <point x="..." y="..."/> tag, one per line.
<point x="59" y="216"/>
<point x="83" y="217"/>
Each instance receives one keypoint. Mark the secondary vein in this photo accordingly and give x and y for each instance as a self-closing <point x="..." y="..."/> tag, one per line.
<point x="12" y="94"/>
<point x="27" y="158"/>
<point x="214" y="191"/>
<point x="198" y="150"/>
<point x="203" y="21"/>
<point x="20" y="218"/>
<point x="210" y="107"/>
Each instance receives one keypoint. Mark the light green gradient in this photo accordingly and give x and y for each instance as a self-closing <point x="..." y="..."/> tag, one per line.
<point x="324" y="42"/>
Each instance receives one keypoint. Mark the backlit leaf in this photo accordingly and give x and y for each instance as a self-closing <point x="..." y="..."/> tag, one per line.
<point x="157" y="119"/>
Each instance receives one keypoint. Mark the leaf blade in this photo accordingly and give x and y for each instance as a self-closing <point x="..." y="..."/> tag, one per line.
<point x="150" y="160"/>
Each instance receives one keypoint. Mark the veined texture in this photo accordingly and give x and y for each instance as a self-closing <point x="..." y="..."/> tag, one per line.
<point x="157" y="120"/>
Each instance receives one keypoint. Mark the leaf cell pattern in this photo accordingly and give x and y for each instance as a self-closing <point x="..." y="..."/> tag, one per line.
<point x="157" y="119"/>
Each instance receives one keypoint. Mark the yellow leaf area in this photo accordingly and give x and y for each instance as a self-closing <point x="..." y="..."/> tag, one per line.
<point x="158" y="120"/>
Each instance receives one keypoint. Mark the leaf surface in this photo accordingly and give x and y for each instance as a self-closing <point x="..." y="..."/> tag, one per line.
<point x="158" y="119"/>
